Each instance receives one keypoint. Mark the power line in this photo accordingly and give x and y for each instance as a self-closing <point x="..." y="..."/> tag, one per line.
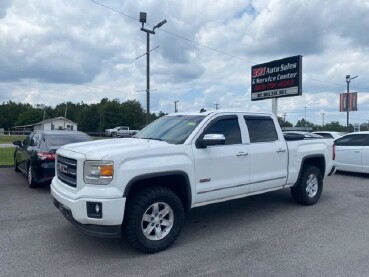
<point x="211" y="48"/>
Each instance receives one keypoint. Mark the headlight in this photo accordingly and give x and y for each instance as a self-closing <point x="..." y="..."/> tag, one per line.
<point x="98" y="172"/>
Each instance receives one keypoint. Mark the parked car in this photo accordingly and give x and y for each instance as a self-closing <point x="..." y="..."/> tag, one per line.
<point x="35" y="156"/>
<point x="327" y="134"/>
<point x="352" y="152"/>
<point x="113" y="132"/>
<point x="296" y="135"/>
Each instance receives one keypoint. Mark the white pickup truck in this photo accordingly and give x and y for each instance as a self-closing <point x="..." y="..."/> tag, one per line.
<point x="143" y="186"/>
<point x="125" y="132"/>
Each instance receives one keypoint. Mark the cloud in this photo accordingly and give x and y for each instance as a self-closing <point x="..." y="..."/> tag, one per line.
<point x="4" y="5"/>
<point x="50" y="48"/>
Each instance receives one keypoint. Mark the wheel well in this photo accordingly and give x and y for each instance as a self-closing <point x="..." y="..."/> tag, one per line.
<point x="317" y="161"/>
<point x="177" y="183"/>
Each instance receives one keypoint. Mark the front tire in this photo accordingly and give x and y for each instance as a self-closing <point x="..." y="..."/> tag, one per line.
<point x="16" y="166"/>
<point x="309" y="188"/>
<point x="154" y="219"/>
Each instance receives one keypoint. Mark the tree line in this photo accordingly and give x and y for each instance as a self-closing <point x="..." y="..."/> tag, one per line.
<point x="111" y="113"/>
<point x="332" y="126"/>
<point x="90" y="117"/>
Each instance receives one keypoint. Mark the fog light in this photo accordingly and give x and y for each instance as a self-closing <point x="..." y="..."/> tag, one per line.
<point x="94" y="209"/>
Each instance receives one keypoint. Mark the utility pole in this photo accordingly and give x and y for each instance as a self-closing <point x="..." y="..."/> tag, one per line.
<point x="284" y="121"/>
<point x="216" y="106"/>
<point x="323" y="114"/>
<point x="66" y="108"/>
<point x="175" y="106"/>
<point x="305" y="117"/>
<point x="143" y="17"/>
<point x="348" y="79"/>
<point x="100" y="125"/>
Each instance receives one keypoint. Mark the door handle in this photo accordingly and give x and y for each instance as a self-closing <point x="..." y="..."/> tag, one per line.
<point x="241" y="154"/>
<point x="280" y="150"/>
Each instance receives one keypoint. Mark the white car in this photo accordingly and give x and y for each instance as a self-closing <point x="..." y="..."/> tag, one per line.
<point x="352" y="152"/>
<point x="327" y="134"/>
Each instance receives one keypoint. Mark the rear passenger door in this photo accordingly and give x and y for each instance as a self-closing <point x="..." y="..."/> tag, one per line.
<point x="268" y="153"/>
<point x="365" y="155"/>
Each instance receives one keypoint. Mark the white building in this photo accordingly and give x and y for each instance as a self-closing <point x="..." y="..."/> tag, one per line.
<point x="57" y="123"/>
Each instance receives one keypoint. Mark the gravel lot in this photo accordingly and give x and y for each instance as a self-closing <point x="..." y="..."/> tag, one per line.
<point x="265" y="235"/>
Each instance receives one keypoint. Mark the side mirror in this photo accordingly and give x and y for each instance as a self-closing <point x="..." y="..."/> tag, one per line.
<point x="211" y="140"/>
<point x="17" y="142"/>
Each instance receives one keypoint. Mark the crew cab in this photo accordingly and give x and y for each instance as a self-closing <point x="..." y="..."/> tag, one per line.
<point x="113" y="131"/>
<point x="125" y="132"/>
<point x="141" y="187"/>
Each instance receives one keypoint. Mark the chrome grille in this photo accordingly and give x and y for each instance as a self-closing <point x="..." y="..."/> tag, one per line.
<point x="67" y="170"/>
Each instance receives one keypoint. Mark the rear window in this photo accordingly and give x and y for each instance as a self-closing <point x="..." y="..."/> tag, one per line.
<point x="261" y="129"/>
<point x="59" y="140"/>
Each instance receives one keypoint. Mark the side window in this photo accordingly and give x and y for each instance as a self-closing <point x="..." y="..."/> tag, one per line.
<point x="27" y="140"/>
<point x="35" y="139"/>
<point x="261" y="129"/>
<point x="352" y="140"/>
<point x="229" y="127"/>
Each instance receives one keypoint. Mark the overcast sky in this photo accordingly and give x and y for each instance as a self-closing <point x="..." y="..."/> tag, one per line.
<point x="56" y="51"/>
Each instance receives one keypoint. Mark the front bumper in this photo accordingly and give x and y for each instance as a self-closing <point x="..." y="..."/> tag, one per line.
<point x="75" y="211"/>
<point x="112" y="231"/>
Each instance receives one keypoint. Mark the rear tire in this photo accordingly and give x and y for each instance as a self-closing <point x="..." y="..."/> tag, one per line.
<point x="309" y="188"/>
<point x="30" y="179"/>
<point x="154" y="219"/>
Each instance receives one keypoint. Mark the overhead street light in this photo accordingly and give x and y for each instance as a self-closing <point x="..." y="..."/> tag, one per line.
<point x="348" y="79"/>
<point x="143" y="18"/>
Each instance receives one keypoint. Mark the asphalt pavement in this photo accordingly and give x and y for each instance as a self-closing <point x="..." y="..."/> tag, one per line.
<point x="265" y="235"/>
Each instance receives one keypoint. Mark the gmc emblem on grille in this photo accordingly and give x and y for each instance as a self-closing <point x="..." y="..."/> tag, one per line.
<point x="63" y="168"/>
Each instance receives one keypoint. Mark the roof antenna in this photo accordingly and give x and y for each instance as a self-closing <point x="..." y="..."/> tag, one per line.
<point x="202" y="110"/>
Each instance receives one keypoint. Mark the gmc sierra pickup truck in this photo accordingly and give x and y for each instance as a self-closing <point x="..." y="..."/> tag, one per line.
<point x="141" y="187"/>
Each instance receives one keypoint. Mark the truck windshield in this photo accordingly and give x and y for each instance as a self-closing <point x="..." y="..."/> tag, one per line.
<point x="172" y="129"/>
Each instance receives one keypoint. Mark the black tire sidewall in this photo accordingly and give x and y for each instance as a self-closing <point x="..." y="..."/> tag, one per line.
<point x="299" y="192"/>
<point x="147" y="198"/>
<point x="16" y="166"/>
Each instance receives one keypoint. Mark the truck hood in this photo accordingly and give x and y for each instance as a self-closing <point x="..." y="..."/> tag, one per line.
<point x="99" y="149"/>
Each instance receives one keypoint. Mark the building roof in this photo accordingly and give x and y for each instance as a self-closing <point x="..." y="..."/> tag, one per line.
<point x="53" y="119"/>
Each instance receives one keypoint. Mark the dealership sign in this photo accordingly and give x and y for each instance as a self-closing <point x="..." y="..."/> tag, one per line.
<point x="278" y="78"/>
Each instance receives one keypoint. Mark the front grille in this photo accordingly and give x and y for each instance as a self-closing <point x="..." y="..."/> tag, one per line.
<point x="67" y="170"/>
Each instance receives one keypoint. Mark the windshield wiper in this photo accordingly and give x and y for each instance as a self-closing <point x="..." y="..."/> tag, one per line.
<point x="153" y="139"/>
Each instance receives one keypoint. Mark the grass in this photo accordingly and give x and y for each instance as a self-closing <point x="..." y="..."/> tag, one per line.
<point x="10" y="139"/>
<point x="6" y="156"/>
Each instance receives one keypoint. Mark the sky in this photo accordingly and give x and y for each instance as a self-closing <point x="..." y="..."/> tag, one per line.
<point x="82" y="51"/>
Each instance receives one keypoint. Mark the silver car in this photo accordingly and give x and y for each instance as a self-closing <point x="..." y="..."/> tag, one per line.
<point x="352" y="152"/>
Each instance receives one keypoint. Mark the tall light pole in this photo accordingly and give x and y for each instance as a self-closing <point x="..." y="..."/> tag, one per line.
<point x="305" y="116"/>
<point x="216" y="106"/>
<point x="175" y="106"/>
<point x="348" y="79"/>
<point x="143" y="17"/>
